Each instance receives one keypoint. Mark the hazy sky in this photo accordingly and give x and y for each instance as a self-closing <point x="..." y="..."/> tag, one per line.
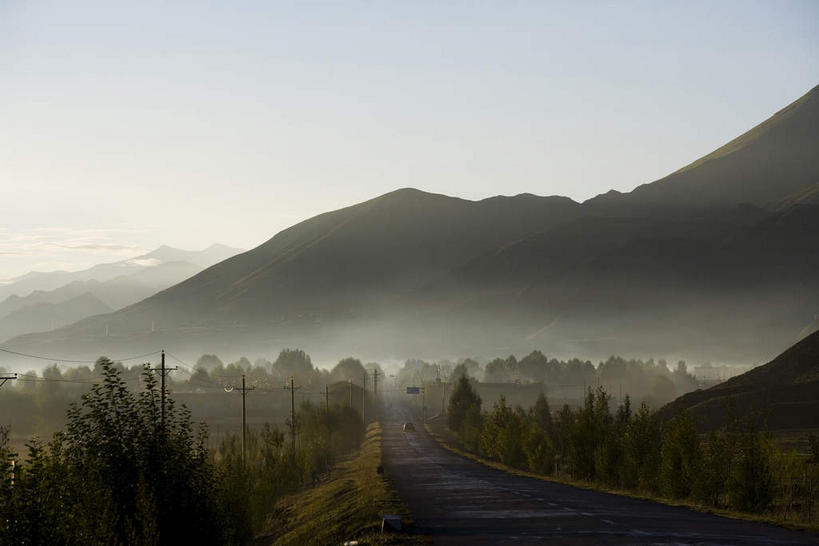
<point x="125" y="125"/>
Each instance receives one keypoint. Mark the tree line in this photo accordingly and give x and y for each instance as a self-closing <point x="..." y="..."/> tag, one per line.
<point x="36" y="403"/>
<point x="120" y="474"/>
<point x="737" y="468"/>
<point x="654" y="381"/>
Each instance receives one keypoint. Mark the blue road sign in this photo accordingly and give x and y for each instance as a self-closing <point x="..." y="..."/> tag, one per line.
<point x="413" y="390"/>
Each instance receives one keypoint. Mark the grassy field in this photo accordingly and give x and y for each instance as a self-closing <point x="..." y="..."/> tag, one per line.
<point x="347" y="507"/>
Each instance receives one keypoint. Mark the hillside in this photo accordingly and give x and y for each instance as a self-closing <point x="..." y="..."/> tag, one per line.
<point x="785" y="391"/>
<point x="729" y="272"/>
<point x="771" y="162"/>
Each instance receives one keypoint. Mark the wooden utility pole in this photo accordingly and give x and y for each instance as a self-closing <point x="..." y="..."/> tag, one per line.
<point x="375" y="382"/>
<point x="350" y="393"/>
<point x="7" y="377"/>
<point x="327" y="398"/>
<point x="363" y="395"/>
<point x="443" y="396"/>
<point x="244" y="390"/>
<point x="292" y="388"/>
<point x="162" y="372"/>
<point x="423" y="403"/>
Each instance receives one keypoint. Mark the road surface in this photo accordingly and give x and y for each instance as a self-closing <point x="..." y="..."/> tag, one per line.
<point x="459" y="501"/>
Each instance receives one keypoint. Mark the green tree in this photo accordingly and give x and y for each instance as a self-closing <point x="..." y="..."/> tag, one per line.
<point x="464" y="413"/>
<point x="116" y="475"/>
<point x="502" y="434"/>
<point x="642" y="451"/>
<point x="680" y="457"/>
<point x="541" y="413"/>
<point x="716" y="457"/>
<point x="538" y="449"/>
<point x="750" y="484"/>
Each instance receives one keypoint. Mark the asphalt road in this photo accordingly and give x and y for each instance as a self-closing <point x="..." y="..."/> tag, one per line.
<point x="459" y="501"/>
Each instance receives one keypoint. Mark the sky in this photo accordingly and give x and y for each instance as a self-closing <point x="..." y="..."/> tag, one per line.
<point x="127" y="125"/>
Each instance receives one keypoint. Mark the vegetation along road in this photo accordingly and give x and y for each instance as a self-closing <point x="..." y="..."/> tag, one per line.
<point x="458" y="501"/>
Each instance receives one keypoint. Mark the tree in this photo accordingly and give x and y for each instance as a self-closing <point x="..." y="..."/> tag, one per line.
<point x="642" y="451"/>
<point x="464" y="413"/>
<point x="117" y="476"/>
<point x="539" y="449"/>
<point x="714" y="469"/>
<point x="750" y="484"/>
<point x="348" y="369"/>
<point x="680" y="456"/>
<point x="209" y="362"/>
<point x="541" y="413"/>
<point x="295" y="363"/>
<point x="502" y="434"/>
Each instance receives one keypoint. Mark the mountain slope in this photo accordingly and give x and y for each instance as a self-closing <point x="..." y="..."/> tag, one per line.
<point x="776" y="159"/>
<point x="785" y="391"/>
<point x="41" y="317"/>
<point x="719" y="260"/>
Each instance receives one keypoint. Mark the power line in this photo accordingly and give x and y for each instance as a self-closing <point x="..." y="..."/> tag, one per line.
<point x="29" y="377"/>
<point x="185" y="366"/>
<point x="71" y="361"/>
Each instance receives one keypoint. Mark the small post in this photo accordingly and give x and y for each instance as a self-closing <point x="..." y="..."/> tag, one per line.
<point x="375" y="382"/>
<point x="244" y="419"/>
<point x="292" y="388"/>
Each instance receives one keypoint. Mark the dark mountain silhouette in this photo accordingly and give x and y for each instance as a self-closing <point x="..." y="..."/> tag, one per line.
<point x="718" y="260"/>
<point x="784" y="392"/>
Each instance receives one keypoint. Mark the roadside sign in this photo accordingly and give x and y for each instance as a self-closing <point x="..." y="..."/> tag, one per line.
<point x="413" y="390"/>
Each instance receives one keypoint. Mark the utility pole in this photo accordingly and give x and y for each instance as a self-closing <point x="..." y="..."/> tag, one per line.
<point x="162" y="371"/>
<point x="423" y="403"/>
<point x="244" y="419"/>
<point x="327" y="398"/>
<point x="292" y="388"/>
<point x="375" y="382"/>
<point x="7" y="377"/>
<point x="363" y="396"/>
<point x="349" y="393"/>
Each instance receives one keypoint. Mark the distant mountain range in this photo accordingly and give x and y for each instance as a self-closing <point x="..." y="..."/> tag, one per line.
<point x="718" y="261"/>
<point x="42" y="301"/>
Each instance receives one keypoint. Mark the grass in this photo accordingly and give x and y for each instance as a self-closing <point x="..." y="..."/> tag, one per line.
<point x="348" y="507"/>
<point x="447" y="439"/>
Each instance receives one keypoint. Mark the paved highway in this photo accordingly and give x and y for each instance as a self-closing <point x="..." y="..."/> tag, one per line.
<point x="459" y="501"/>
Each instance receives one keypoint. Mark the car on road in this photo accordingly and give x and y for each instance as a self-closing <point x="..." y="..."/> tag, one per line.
<point x="408" y="427"/>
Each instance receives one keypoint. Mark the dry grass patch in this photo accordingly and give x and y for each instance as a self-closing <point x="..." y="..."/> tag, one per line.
<point x="347" y="507"/>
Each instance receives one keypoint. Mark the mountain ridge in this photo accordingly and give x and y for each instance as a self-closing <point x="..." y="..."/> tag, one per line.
<point x="412" y="270"/>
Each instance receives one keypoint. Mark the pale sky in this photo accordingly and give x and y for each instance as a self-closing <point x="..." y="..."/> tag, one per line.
<point x="126" y="125"/>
